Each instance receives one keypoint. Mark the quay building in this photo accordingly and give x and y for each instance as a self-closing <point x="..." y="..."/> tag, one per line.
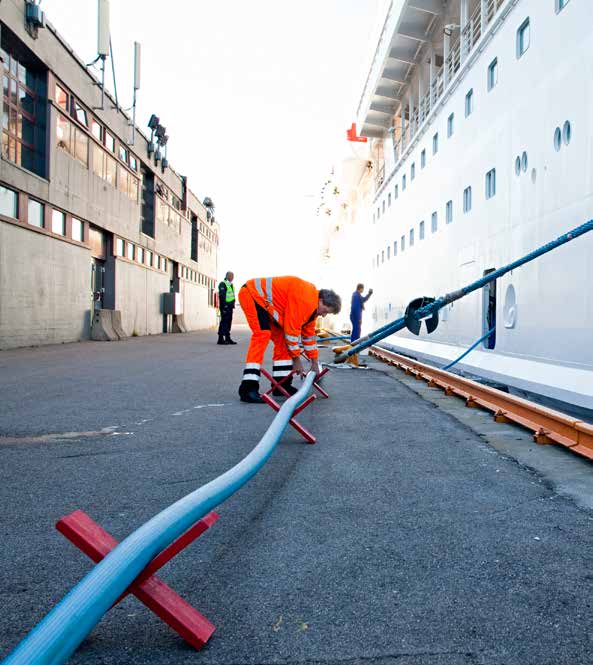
<point x="98" y="238"/>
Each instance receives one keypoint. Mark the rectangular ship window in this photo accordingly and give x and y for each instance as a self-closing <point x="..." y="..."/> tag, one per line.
<point x="523" y="37"/>
<point x="492" y="74"/>
<point x="421" y="231"/>
<point x="449" y="212"/>
<point x="450" y="125"/>
<point x="434" y="222"/>
<point x="491" y="183"/>
<point x="435" y="144"/>
<point x="467" y="199"/>
<point x="469" y="103"/>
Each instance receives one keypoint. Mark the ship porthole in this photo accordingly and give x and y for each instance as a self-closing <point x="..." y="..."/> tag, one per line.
<point x="557" y="139"/>
<point x="566" y="132"/>
<point x="518" y="165"/>
<point x="524" y="162"/>
<point x="510" y="307"/>
<point x="533" y="176"/>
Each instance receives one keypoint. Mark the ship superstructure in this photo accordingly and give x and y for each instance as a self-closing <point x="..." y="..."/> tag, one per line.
<point x="478" y="116"/>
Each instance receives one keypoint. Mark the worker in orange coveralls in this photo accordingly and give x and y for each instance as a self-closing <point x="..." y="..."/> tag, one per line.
<point x="283" y="309"/>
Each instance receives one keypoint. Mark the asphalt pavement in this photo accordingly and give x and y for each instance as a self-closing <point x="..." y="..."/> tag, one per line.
<point x="402" y="537"/>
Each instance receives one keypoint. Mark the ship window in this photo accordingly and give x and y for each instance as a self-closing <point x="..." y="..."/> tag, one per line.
<point x="450" y="125"/>
<point x="388" y="252"/>
<point x="374" y="218"/>
<point x="389" y="199"/>
<point x="435" y="144"/>
<point x="566" y="133"/>
<point x="35" y="213"/>
<point x="524" y="162"/>
<point x="489" y="311"/>
<point x="560" y="5"/>
<point x="423" y="159"/>
<point x="449" y="212"/>
<point x="402" y="243"/>
<point x="382" y="256"/>
<point x="491" y="183"/>
<point x="523" y="38"/>
<point x="413" y="171"/>
<point x="377" y="260"/>
<point x="518" y="165"/>
<point x="383" y="206"/>
<point x="378" y="212"/>
<point x="557" y="139"/>
<point x="492" y="74"/>
<point x="373" y="262"/>
<point x="404" y="182"/>
<point x="411" y="237"/>
<point x="467" y="199"/>
<point x="469" y="103"/>
<point x="434" y="222"/>
<point x="421" y="231"/>
<point x="8" y="202"/>
<point x="395" y="248"/>
<point x="396" y="191"/>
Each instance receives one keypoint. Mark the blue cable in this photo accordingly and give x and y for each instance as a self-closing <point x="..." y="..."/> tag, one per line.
<point x="471" y="348"/>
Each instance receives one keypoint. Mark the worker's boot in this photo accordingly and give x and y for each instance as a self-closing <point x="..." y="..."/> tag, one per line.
<point x="249" y="392"/>
<point x="221" y="340"/>
<point x="228" y="340"/>
<point x="287" y="385"/>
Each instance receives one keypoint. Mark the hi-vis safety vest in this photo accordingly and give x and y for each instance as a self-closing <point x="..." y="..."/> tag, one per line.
<point x="292" y="304"/>
<point x="230" y="292"/>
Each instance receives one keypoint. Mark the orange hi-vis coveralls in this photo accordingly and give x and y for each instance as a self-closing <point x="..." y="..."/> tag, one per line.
<point x="283" y="309"/>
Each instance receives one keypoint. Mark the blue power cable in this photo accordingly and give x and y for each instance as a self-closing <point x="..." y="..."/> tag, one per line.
<point x="471" y="348"/>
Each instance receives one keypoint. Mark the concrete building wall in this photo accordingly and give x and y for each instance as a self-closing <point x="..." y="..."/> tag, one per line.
<point x="196" y="309"/>
<point x="45" y="293"/>
<point x="138" y="296"/>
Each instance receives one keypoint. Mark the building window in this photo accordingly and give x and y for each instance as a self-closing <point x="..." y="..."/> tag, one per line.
<point x="413" y="171"/>
<point x="149" y="258"/>
<point x="123" y="154"/>
<point x="396" y="191"/>
<point x="62" y="98"/>
<point x="402" y="243"/>
<point x="404" y="182"/>
<point x="109" y="142"/>
<point x="389" y="200"/>
<point x="8" y="203"/>
<point x="560" y="5"/>
<point x="97" y="130"/>
<point x="467" y="199"/>
<point x="140" y="255"/>
<point x="23" y="111"/>
<point x="58" y="222"/>
<point x="411" y="237"/>
<point x="77" y="229"/>
<point x="119" y="247"/>
<point x="35" y="213"/>
<point x="492" y="74"/>
<point x="133" y="163"/>
<point x="449" y="212"/>
<point x="435" y="144"/>
<point x="423" y="159"/>
<point x="421" y="231"/>
<point x="131" y="251"/>
<point x="469" y="103"/>
<point x="72" y="139"/>
<point x="491" y="183"/>
<point x="434" y="222"/>
<point x="523" y="37"/>
<point x="450" y="125"/>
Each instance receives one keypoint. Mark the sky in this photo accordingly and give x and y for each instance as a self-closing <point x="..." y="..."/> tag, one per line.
<point x="256" y="98"/>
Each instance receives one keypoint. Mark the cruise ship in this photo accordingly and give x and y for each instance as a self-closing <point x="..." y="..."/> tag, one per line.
<point x="472" y="146"/>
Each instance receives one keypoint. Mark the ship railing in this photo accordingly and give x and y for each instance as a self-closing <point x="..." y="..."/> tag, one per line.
<point x="380" y="176"/>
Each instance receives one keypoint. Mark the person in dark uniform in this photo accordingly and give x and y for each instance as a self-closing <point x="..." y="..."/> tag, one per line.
<point x="226" y="304"/>
<point x="356" y="307"/>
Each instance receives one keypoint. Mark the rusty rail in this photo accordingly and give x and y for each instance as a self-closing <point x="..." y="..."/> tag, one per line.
<point x="547" y="425"/>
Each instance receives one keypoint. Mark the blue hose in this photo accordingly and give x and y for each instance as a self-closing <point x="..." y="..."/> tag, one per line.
<point x="471" y="348"/>
<point x="58" y="635"/>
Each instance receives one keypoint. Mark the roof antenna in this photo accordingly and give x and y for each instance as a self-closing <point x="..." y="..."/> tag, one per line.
<point x="103" y="42"/>
<point x="137" y="54"/>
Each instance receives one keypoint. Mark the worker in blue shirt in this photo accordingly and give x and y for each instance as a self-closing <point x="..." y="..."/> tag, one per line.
<point x="356" y="307"/>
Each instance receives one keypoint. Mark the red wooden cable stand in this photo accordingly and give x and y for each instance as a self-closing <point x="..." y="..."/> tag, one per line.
<point x="96" y="543"/>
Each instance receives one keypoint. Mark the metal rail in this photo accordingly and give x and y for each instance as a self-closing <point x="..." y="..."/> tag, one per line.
<point x="58" y="635"/>
<point x="547" y="425"/>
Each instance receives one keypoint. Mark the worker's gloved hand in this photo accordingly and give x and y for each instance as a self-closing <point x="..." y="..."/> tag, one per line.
<point x="298" y="366"/>
<point x="370" y="292"/>
<point x="315" y="367"/>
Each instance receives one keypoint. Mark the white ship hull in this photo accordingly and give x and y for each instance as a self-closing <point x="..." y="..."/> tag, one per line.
<point x="544" y="310"/>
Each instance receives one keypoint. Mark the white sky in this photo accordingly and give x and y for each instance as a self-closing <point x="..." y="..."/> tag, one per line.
<point x="256" y="98"/>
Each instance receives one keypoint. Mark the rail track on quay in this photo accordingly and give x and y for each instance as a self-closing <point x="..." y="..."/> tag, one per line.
<point x="548" y="425"/>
